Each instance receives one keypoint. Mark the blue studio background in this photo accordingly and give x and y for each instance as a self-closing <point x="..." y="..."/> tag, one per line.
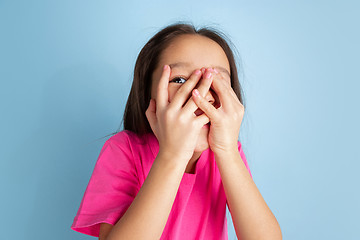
<point x="66" y="68"/>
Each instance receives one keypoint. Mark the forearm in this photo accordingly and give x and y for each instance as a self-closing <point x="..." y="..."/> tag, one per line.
<point x="147" y="215"/>
<point x="251" y="216"/>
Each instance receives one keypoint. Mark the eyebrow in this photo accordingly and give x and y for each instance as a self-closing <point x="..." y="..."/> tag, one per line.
<point x="186" y="64"/>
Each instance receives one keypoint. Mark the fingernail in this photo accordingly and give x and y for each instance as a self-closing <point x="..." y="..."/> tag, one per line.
<point x="216" y="71"/>
<point x="196" y="92"/>
<point x="197" y="72"/>
<point x="165" y="67"/>
<point x="208" y="75"/>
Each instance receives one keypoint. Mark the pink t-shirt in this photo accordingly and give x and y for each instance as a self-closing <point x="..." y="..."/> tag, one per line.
<point x="199" y="209"/>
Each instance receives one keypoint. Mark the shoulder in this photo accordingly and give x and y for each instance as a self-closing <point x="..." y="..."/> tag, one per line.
<point x="120" y="152"/>
<point x="124" y="138"/>
<point x="129" y="140"/>
<point x="131" y="150"/>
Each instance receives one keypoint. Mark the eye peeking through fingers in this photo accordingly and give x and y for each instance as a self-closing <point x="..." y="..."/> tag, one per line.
<point x="178" y="80"/>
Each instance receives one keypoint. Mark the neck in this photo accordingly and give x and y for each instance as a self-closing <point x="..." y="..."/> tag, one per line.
<point x="190" y="168"/>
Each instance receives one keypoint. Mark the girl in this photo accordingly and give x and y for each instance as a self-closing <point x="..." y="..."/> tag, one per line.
<point x="171" y="172"/>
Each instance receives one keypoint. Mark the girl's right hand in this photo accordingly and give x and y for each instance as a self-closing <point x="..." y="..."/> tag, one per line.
<point x="176" y="127"/>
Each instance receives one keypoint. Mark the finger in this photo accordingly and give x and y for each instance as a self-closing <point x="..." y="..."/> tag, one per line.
<point x="202" y="119"/>
<point x="224" y="91"/>
<point x="162" y="89"/>
<point x="234" y="104"/>
<point x="204" y="105"/>
<point x="203" y="88"/>
<point x="184" y="92"/>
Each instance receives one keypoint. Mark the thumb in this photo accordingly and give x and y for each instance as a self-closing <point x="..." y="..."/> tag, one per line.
<point x="151" y="113"/>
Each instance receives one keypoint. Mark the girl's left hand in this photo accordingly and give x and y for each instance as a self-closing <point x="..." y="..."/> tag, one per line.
<point x="225" y="120"/>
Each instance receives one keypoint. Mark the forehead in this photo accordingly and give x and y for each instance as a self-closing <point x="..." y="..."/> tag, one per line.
<point x="195" y="51"/>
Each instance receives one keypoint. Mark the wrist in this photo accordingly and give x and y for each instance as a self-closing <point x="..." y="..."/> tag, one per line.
<point x="227" y="153"/>
<point x="172" y="160"/>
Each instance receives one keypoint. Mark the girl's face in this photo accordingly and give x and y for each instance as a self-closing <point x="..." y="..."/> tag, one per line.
<point x="184" y="55"/>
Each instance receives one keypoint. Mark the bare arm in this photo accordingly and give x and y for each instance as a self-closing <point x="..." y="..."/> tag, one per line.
<point x="172" y="124"/>
<point x="147" y="215"/>
<point x="251" y="216"/>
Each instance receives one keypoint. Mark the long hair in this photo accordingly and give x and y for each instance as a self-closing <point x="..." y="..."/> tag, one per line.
<point x="134" y="115"/>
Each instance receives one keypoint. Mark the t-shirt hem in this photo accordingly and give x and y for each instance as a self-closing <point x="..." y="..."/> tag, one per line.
<point x="90" y="224"/>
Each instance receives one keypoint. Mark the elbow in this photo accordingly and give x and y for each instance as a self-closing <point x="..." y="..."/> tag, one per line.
<point x="275" y="233"/>
<point x="268" y="233"/>
<point x="279" y="234"/>
<point x="278" y="231"/>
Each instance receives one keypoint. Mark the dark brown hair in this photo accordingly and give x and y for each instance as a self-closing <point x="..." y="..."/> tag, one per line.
<point x="147" y="60"/>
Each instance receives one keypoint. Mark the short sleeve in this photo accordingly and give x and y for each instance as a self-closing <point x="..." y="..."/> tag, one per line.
<point x="112" y="188"/>
<point x="242" y="155"/>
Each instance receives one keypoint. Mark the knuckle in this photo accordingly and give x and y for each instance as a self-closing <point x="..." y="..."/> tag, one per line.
<point x="204" y="89"/>
<point x="206" y="107"/>
<point x="228" y="91"/>
<point x="240" y="107"/>
<point x="237" y="115"/>
<point x="182" y="119"/>
<point x="225" y="86"/>
<point x="168" y="113"/>
<point x="182" y="90"/>
<point x="195" y="124"/>
<point x="185" y="89"/>
<point x="191" y="80"/>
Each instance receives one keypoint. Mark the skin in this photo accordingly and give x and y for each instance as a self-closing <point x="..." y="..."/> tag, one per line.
<point x="251" y="216"/>
<point x="175" y="117"/>
<point x="197" y="53"/>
